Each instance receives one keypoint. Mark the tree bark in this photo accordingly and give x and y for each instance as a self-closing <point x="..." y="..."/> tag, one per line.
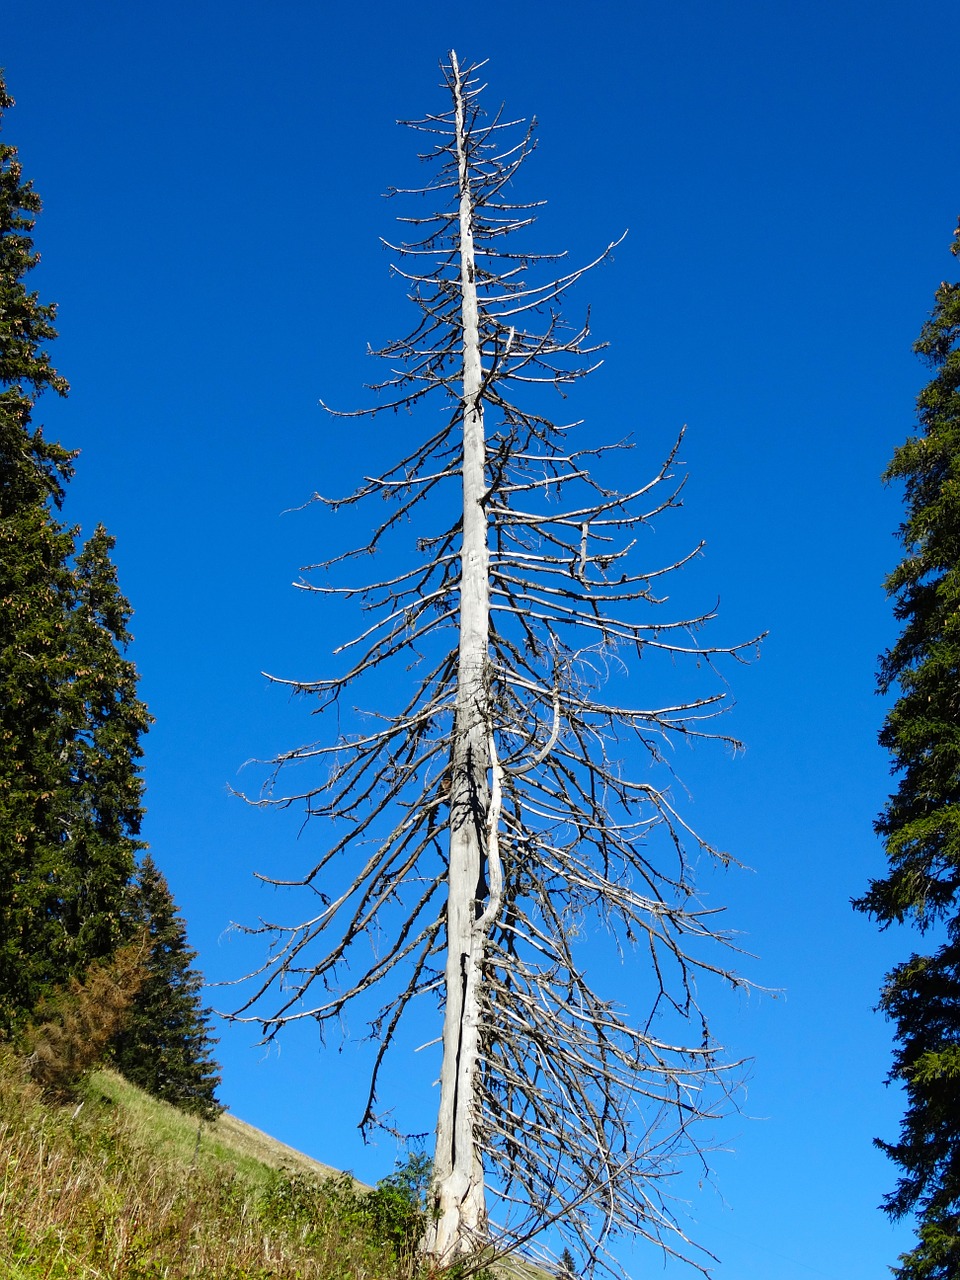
<point x="460" y="1220"/>
<point x="509" y="623"/>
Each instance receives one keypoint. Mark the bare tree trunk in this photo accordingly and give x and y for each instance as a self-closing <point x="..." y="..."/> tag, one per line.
<point x="458" y="1192"/>
<point x="511" y="621"/>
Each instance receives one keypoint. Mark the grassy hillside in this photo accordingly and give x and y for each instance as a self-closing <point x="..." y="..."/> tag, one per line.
<point x="224" y="1142"/>
<point x="118" y="1185"/>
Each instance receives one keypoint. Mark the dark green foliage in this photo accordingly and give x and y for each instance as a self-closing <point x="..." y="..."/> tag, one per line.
<point x="165" y="1046"/>
<point x="920" y="825"/>
<point x="31" y="469"/>
<point x="396" y="1207"/>
<point x="70" y="720"/>
<point x="567" y="1269"/>
<point x="101" y="721"/>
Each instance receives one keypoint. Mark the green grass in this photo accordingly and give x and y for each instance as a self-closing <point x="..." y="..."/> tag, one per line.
<point x="224" y="1143"/>
<point x="116" y="1185"/>
<point x="119" y="1186"/>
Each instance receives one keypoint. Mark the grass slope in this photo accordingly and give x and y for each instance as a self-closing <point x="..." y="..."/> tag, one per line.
<point x="225" y="1141"/>
<point x="120" y="1186"/>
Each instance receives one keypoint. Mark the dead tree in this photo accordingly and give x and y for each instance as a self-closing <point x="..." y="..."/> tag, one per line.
<point x="481" y="820"/>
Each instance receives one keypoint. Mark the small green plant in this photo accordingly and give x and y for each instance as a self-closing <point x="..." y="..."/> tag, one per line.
<point x="397" y="1206"/>
<point x="390" y="1217"/>
<point x="296" y="1205"/>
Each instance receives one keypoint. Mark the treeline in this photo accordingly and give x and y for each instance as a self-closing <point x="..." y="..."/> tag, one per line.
<point x="920" y="824"/>
<point x="94" y="959"/>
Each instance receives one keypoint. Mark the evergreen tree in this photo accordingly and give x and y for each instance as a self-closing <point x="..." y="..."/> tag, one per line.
<point x="921" y="822"/>
<point x="74" y="1024"/>
<point x="568" y="1267"/>
<point x="165" y="1046"/>
<point x="70" y="720"/>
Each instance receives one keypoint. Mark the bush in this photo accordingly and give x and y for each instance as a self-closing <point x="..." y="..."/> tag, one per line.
<point x="71" y="1030"/>
<point x="390" y="1217"/>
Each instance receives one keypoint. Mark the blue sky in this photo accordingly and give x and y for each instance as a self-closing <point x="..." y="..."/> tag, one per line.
<point x="211" y="175"/>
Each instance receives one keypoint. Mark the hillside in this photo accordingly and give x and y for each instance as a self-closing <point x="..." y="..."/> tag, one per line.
<point x="226" y="1140"/>
<point x="119" y="1186"/>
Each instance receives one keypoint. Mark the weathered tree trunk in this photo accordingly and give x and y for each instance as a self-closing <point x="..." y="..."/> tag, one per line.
<point x="458" y="1193"/>
<point x="511" y="619"/>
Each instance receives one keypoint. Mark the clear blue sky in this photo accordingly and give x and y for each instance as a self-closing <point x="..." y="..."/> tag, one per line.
<point x="789" y="176"/>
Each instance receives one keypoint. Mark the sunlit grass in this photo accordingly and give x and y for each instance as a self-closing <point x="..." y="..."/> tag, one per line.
<point x="118" y="1186"/>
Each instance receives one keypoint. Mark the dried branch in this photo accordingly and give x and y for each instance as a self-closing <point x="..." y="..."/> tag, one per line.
<point x="478" y="822"/>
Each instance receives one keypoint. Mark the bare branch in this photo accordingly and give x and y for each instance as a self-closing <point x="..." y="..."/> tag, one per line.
<point x="488" y="820"/>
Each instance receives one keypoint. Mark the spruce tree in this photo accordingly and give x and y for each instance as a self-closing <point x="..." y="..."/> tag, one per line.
<point x="70" y="719"/>
<point x="920" y="825"/>
<point x="497" y="798"/>
<point x="165" y="1046"/>
<point x="73" y="1025"/>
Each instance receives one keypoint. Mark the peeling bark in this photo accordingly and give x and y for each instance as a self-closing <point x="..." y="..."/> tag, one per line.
<point x="458" y="1185"/>
<point x="490" y="804"/>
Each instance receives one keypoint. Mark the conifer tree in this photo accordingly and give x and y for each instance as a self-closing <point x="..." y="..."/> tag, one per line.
<point x="73" y="1025"/>
<point x="70" y="719"/>
<point x="165" y="1045"/>
<point x="494" y="809"/>
<point x="920" y="825"/>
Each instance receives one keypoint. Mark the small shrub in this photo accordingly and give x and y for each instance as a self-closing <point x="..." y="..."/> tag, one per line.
<point x="567" y="1269"/>
<point x="396" y="1208"/>
<point x="72" y="1028"/>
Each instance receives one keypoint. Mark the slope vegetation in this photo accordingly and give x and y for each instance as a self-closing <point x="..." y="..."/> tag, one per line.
<point x="118" y="1185"/>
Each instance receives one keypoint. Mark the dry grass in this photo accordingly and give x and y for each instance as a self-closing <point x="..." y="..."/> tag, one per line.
<point x="119" y="1186"/>
<point x="225" y="1141"/>
<point x="108" y="1190"/>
